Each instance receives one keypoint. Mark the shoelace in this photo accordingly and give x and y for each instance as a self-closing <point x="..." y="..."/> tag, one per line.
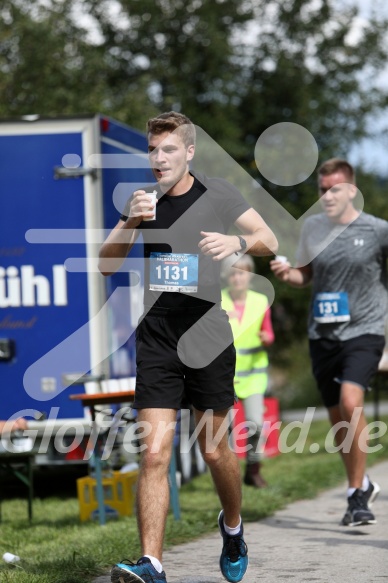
<point x="235" y="548"/>
<point x="147" y="577"/>
<point x="358" y="502"/>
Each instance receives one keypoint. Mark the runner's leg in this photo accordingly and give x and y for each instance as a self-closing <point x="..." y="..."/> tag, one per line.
<point x="153" y="489"/>
<point x="222" y="462"/>
<point x="352" y="397"/>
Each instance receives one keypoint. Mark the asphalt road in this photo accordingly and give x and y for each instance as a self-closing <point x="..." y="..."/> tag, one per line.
<point x="301" y="543"/>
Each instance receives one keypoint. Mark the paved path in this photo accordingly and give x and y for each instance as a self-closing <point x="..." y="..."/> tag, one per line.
<point x="303" y="542"/>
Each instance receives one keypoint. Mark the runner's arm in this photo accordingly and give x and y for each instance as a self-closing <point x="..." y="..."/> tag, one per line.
<point x="122" y="238"/>
<point x="260" y="239"/>
<point x="117" y="246"/>
<point x="294" y="276"/>
<point x="258" y="236"/>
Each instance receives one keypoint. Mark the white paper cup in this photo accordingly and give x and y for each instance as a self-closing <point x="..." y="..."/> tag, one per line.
<point x="281" y="258"/>
<point x="22" y="444"/>
<point x="113" y="386"/>
<point x="153" y="196"/>
<point x="124" y="384"/>
<point x="92" y="387"/>
<point x="10" y="558"/>
<point x="127" y="384"/>
<point x="104" y="386"/>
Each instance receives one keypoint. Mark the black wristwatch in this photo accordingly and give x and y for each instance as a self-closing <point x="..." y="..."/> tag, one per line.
<point x="243" y="244"/>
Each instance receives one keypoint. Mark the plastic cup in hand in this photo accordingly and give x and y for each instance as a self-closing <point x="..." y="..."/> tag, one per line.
<point x="10" y="558"/>
<point x="153" y="196"/>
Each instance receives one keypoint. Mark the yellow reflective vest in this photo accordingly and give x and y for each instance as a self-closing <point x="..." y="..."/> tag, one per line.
<point x="251" y="356"/>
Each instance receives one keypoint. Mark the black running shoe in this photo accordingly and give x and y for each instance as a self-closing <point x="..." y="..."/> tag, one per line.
<point x="358" y="513"/>
<point x="371" y="493"/>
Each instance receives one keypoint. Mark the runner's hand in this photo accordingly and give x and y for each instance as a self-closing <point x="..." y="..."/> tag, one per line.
<point x="141" y="206"/>
<point x="218" y="245"/>
<point x="281" y="269"/>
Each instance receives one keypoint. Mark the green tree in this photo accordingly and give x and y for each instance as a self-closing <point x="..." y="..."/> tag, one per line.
<point x="50" y="64"/>
<point x="128" y="58"/>
<point x="133" y="58"/>
<point x="184" y="51"/>
<point x="310" y="66"/>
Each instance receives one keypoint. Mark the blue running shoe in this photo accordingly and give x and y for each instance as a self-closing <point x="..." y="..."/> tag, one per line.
<point x="143" y="570"/>
<point x="234" y="556"/>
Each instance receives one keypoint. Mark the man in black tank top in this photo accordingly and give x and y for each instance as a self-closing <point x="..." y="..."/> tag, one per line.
<point x="184" y="344"/>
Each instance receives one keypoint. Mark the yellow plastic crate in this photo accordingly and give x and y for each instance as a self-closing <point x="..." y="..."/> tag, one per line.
<point x="119" y="495"/>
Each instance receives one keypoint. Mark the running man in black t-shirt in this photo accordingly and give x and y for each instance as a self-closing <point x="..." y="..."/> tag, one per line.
<point x="184" y="344"/>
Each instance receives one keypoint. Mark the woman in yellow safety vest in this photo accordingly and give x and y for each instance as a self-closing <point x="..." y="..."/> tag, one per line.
<point x="250" y="318"/>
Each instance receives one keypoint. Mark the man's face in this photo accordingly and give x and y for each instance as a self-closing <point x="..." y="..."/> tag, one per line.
<point x="169" y="158"/>
<point x="336" y="195"/>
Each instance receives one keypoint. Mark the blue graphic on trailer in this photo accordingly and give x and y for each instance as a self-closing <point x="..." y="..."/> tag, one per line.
<point x="41" y="304"/>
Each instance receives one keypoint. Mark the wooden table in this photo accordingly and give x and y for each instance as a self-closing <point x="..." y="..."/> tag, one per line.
<point x="103" y="399"/>
<point x="90" y="401"/>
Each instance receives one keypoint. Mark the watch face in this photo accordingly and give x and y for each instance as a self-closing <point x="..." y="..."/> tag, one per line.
<point x="243" y="243"/>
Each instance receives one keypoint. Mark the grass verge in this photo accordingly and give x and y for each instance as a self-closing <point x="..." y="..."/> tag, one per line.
<point x="57" y="548"/>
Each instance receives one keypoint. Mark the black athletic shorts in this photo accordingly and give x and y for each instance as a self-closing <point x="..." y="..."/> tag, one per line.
<point x="185" y="355"/>
<point x="355" y="361"/>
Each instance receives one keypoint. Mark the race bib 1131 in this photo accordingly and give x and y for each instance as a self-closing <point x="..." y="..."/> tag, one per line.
<point x="174" y="272"/>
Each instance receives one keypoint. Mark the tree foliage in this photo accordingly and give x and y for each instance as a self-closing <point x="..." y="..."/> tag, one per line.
<point x="235" y="66"/>
<point x="184" y="51"/>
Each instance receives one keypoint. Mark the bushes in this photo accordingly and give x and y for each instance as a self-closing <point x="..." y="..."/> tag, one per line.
<point x="291" y="380"/>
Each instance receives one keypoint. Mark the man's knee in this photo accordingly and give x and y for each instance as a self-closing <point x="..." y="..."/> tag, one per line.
<point x="155" y="460"/>
<point x="352" y="402"/>
<point x="218" y="455"/>
<point x="212" y="457"/>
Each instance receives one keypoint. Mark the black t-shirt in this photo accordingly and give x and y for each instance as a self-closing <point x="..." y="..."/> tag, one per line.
<point x="171" y="242"/>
